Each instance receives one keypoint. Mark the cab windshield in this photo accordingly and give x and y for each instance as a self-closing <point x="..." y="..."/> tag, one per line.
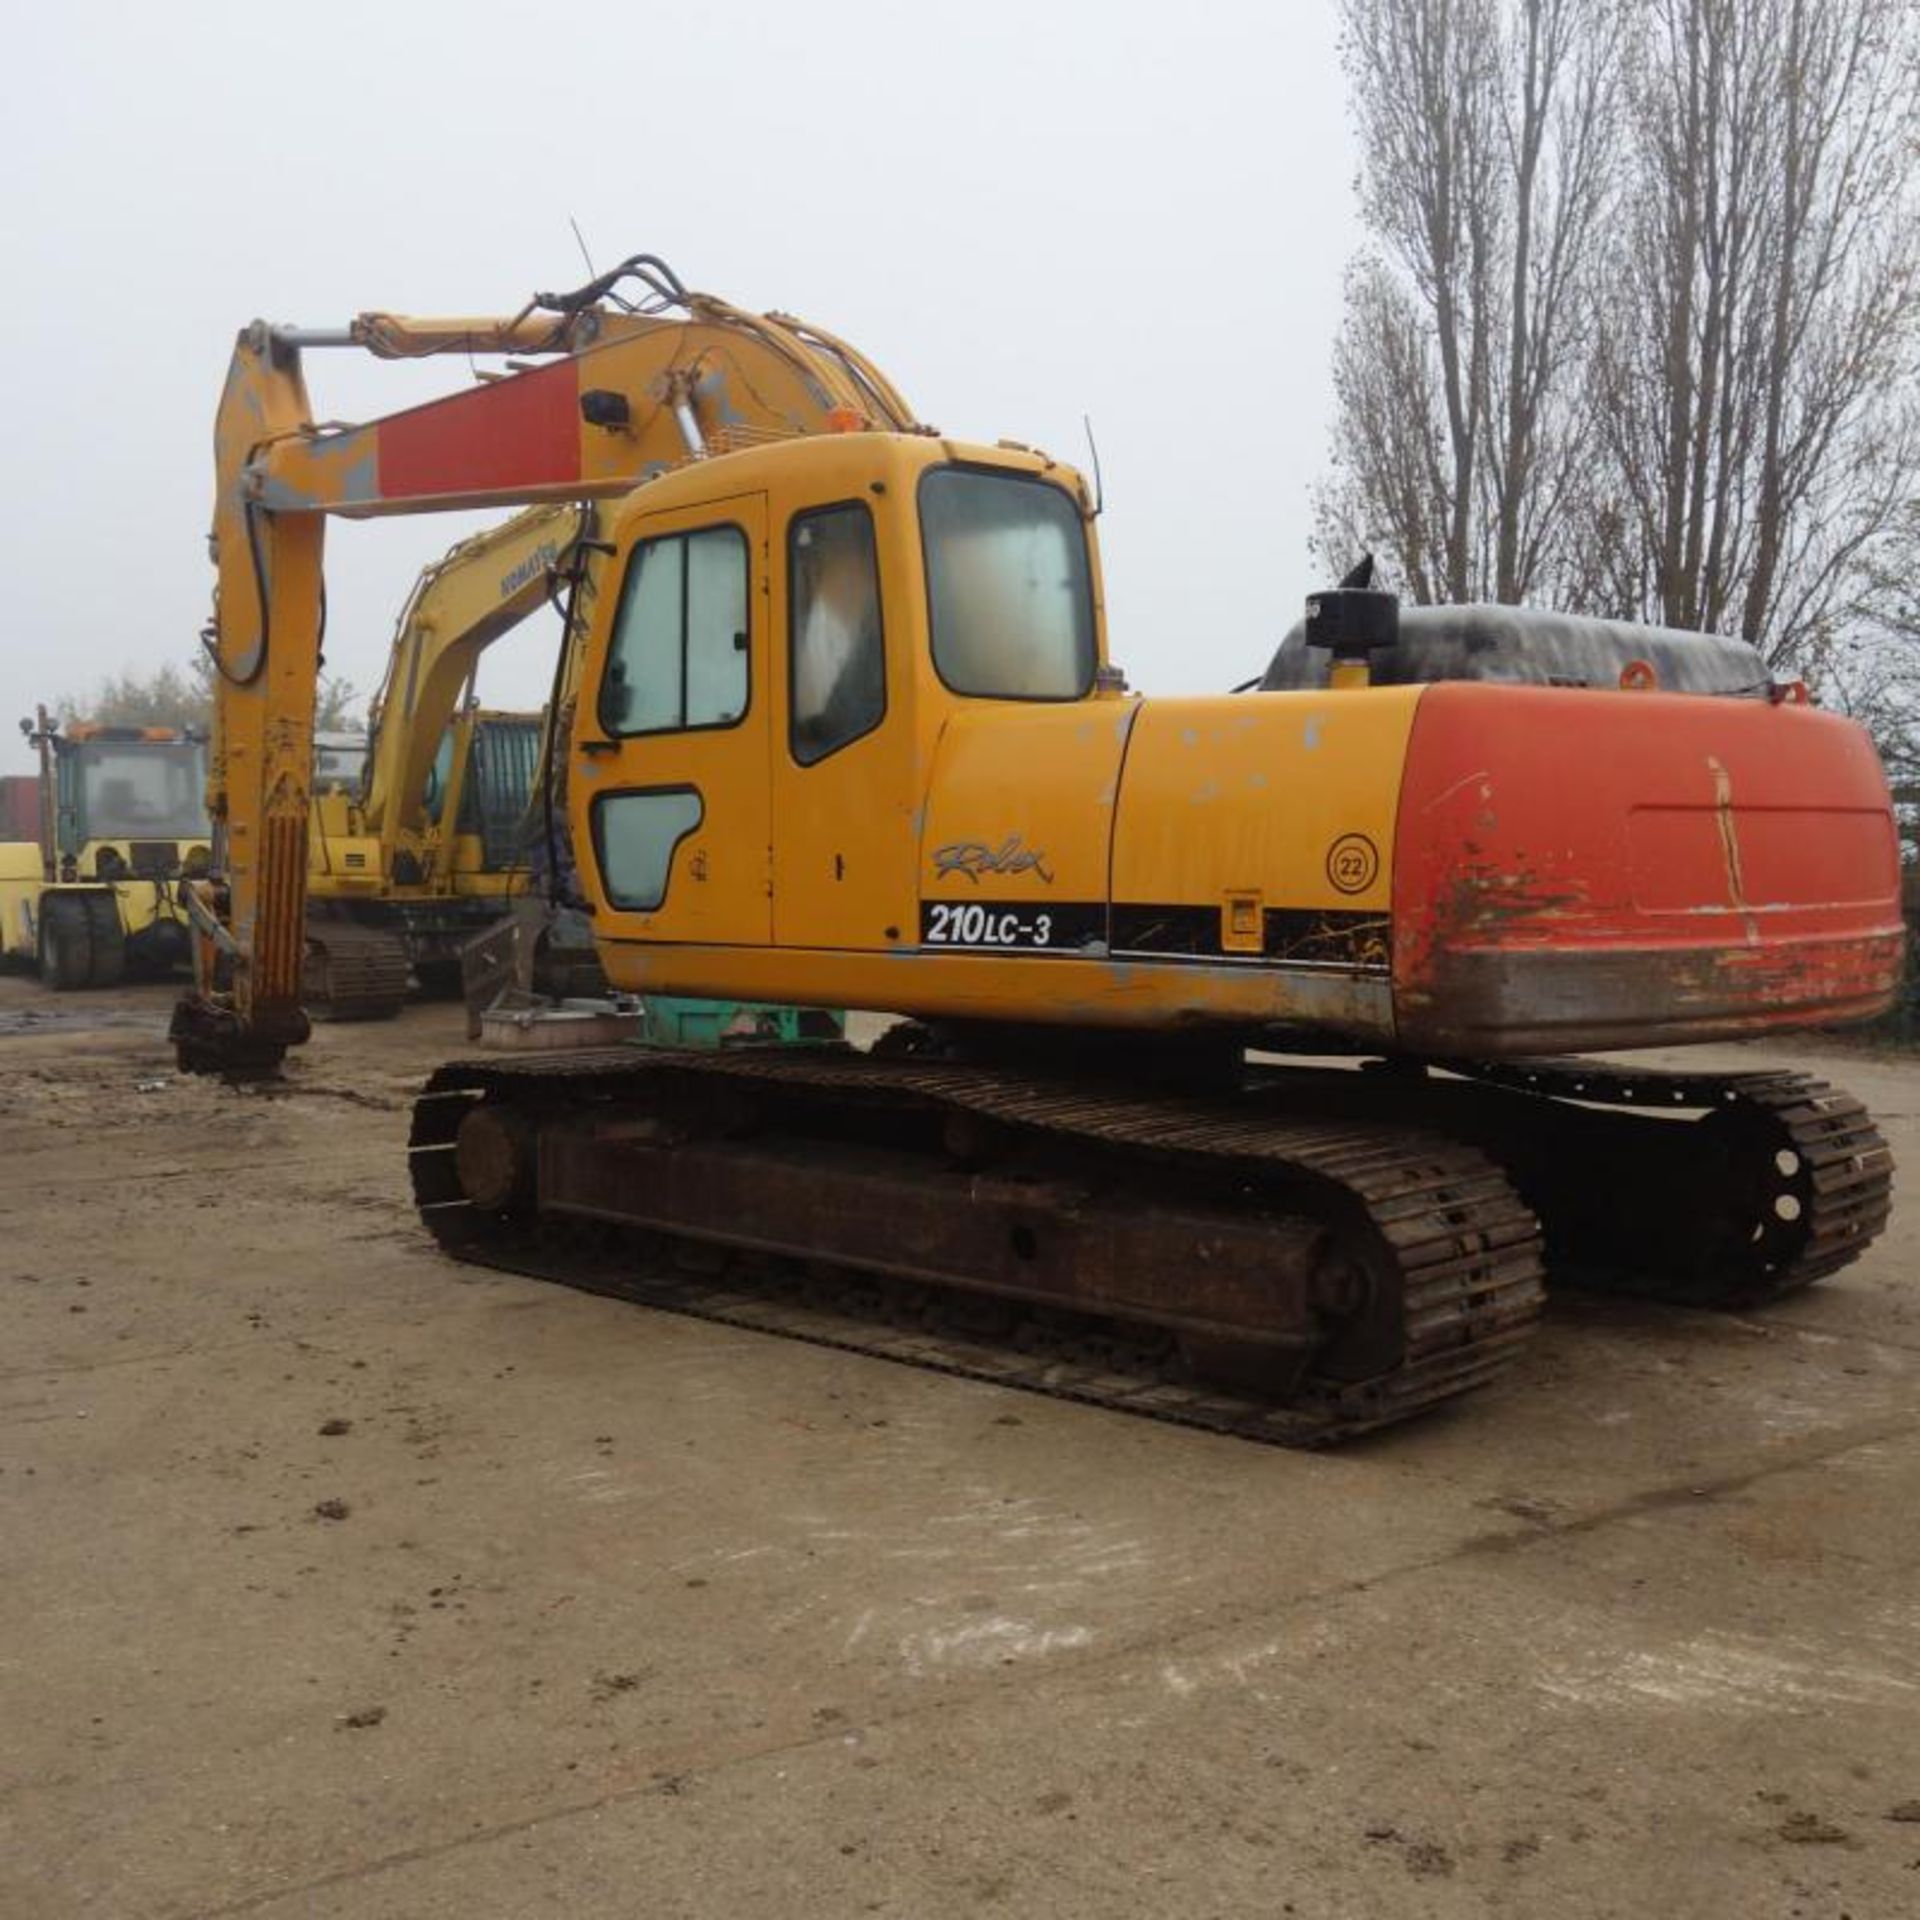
<point x="1009" y="588"/>
<point x="140" y="791"/>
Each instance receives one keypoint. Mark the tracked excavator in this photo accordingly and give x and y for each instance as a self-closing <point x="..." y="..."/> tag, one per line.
<point x="1238" y="1080"/>
<point x="426" y="849"/>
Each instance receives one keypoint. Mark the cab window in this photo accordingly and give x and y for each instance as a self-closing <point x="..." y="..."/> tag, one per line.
<point x="140" y="791"/>
<point x="679" y="653"/>
<point x="837" y="661"/>
<point x="635" y="836"/>
<point x="1009" y="588"/>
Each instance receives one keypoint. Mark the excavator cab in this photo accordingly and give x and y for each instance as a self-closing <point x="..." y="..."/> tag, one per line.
<point x="774" y="668"/>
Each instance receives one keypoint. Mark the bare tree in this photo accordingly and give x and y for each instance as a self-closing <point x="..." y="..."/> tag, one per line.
<point x="1752" y="367"/>
<point x="1397" y="480"/>
<point x="1868" y="664"/>
<point x="168" y="697"/>
<point x="1637" y="329"/>
<point x="173" y="697"/>
<point x="1487" y="161"/>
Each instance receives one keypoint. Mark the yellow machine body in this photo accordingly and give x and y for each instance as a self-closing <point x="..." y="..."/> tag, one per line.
<point x="988" y="844"/>
<point x="407" y="815"/>
<point x="440" y="855"/>
<point x="983" y="840"/>
<point x="1288" y="862"/>
<point x="121" y="825"/>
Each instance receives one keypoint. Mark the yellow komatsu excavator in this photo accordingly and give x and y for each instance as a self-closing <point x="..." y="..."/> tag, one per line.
<point x="427" y="848"/>
<point x="847" y="733"/>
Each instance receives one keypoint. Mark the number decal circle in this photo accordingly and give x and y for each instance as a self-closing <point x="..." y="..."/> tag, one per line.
<point x="1353" y="863"/>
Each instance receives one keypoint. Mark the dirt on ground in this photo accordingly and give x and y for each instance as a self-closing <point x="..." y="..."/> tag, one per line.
<point x="339" y="1579"/>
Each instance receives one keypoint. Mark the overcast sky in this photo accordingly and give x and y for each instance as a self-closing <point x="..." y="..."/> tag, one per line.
<point x="1022" y="212"/>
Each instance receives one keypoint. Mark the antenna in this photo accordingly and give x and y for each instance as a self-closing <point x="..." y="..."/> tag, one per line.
<point x="1099" y="485"/>
<point x="580" y="240"/>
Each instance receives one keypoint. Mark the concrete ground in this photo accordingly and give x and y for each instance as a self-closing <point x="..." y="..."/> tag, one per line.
<point x="341" y="1580"/>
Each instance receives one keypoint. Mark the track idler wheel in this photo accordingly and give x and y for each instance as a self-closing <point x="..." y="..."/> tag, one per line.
<point x="1794" y="1206"/>
<point x="494" y="1154"/>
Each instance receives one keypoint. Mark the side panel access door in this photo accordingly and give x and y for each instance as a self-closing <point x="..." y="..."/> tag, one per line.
<point x="670" y="802"/>
<point x="1018" y="832"/>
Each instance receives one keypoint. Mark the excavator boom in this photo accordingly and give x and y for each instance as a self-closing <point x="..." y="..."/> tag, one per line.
<point x="629" y="397"/>
<point x="598" y="422"/>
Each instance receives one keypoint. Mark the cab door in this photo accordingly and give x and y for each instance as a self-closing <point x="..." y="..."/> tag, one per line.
<point x="670" y="803"/>
<point x="842" y="743"/>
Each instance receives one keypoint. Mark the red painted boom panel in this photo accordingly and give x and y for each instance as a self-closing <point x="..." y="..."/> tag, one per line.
<point x="511" y="434"/>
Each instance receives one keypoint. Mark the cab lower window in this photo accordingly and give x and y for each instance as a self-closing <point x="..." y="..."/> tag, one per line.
<point x="634" y="839"/>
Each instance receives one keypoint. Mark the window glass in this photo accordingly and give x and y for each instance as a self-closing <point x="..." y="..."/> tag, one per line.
<point x="1008" y="586"/>
<point x="141" y="792"/>
<point x="438" y="776"/>
<point x="679" y="652"/>
<point x="641" y="693"/>
<point x="838" y="660"/>
<point x="634" y="835"/>
<point x="716" y="628"/>
<point x="339" y="760"/>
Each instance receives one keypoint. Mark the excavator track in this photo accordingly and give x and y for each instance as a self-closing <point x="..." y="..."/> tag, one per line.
<point x="1780" y="1180"/>
<point x="353" y="972"/>
<point x="1398" y="1268"/>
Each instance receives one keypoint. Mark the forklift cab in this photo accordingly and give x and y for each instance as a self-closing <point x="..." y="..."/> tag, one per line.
<point x="128" y="800"/>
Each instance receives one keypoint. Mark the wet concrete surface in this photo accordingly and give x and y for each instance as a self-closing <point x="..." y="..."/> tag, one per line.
<point x="341" y="1580"/>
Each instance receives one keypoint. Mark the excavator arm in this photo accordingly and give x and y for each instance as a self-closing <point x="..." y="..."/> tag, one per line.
<point x="624" y="395"/>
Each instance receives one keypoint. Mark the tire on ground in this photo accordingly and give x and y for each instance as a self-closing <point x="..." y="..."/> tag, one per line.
<point x="65" y="941"/>
<point x="108" y="940"/>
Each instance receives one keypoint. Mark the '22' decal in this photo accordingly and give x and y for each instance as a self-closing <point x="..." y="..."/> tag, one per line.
<point x="1353" y="863"/>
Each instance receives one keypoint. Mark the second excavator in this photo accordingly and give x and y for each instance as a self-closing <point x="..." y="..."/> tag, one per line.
<point x="428" y="846"/>
<point x="848" y="733"/>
